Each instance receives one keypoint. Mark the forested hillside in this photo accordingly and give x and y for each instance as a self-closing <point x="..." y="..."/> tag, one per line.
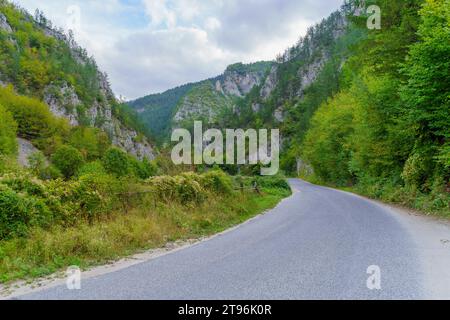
<point x="386" y="131"/>
<point x="357" y="107"/>
<point x="59" y="86"/>
<point x="80" y="183"/>
<point x="210" y="99"/>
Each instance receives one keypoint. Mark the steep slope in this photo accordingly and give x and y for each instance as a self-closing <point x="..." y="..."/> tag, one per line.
<point x="208" y="99"/>
<point x="42" y="62"/>
<point x="276" y="93"/>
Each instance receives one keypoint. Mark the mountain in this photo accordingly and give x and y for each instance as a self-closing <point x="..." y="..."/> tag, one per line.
<point x="202" y="100"/>
<point x="259" y="93"/>
<point x="41" y="62"/>
<point x="357" y="105"/>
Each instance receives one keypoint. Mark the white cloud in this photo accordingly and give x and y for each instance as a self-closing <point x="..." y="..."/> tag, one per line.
<point x="148" y="46"/>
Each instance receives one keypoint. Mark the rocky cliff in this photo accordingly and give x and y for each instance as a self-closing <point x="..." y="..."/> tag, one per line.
<point x="77" y="91"/>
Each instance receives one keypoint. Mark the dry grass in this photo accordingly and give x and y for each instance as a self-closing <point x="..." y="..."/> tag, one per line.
<point x="145" y="227"/>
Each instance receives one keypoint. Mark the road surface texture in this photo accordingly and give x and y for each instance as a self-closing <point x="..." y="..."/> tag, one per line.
<point x="317" y="244"/>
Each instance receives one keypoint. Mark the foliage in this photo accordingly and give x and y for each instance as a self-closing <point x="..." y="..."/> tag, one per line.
<point x="91" y="142"/>
<point x="68" y="160"/>
<point x="156" y="110"/>
<point x="35" y="121"/>
<point x="8" y="133"/>
<point x="426" y="93"/>
<point x="387" y="130"/>
<point x="116" y="162"/>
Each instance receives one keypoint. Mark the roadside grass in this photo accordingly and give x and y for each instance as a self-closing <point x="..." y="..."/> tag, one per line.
<point x="435" y="203"/>
<point x="149" y="225"/>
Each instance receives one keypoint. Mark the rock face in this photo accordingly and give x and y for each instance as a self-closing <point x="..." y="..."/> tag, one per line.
<point x="209" y="99"/>
<point x="270" y="83"/>
<point x="4" y="25"/>
<point x="239" y="84"/>
<point x="204" y="103"/>
<point x="26" y="149"/>
<point x="63" y="101"/>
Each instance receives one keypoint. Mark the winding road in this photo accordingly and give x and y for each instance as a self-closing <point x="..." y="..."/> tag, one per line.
<point x="317" y="244"/>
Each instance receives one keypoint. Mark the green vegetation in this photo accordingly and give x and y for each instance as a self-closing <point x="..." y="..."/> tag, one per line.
<point x="83" y="201"/>
<point x="8" y="132"/>
<point x="209" y="105"/>
<point x="67" y="160"/>
<point x="386" y="133"/>
<point x="157" y="110"/>
<point x="49" y="225"/>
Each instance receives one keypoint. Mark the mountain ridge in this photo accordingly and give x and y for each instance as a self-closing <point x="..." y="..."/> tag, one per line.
<point x="53" y="68"/>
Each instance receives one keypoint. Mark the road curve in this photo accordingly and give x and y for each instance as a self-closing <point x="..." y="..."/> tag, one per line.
<point x="317" y="244"/>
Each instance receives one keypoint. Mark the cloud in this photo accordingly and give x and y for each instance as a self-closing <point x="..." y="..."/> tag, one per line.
<point x="148" y="46"/>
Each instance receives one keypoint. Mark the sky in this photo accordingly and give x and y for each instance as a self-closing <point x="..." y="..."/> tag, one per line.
<point x="149" y="46"/>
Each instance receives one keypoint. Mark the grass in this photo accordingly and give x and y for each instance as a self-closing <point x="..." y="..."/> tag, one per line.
<point x="147" y="226"/>
<point x="436" y="203"/>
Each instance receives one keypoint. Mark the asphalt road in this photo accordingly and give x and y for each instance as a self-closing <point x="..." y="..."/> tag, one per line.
<point x="317" y="244"/>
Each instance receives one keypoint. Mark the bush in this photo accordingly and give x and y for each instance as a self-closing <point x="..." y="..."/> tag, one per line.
<point x="19" y="212"/>
<point x="179" y="188"/>
<point x="23" y="182"/>
<point x="218" y="181"/>
<point x="96" y="195"/>
<point x="95" y="167"/>
<point x="50" y="173"/>
<point x="8" y="132"/>
<point x="116" y="162"/>
<point x="68" y="160"/>
<point x="91" y="142"/>
<point x="275" y="182"/>
<point x="142" y="169"/>
<point x="34" y="119"/>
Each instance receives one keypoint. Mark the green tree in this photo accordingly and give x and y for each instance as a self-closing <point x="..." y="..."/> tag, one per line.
<point x="68" y="160"/>
<point x="326" y="145"/>
<point x="91" y="142"/>
<point x="426" y="92"/>
<point x="8" y="132"/>
<point x="116" y="162"/>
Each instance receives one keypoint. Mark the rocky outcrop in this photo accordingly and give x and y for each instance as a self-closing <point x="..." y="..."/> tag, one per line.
<point x="279" y="114"/>
<point x="270" y="83"/>
<point x="64" y="102"/>
<point x="202" y="103"/>
<point x="308" y="75"/>
<point x="239" y="85"/>
<point x="4" y="25"/>
<point x="26" y="149"/>
<point x="256" y="107"/>
<point x="130" y="141"/>
<point x="239" y="79"/>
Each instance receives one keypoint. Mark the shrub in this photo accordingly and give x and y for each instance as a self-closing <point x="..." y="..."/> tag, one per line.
<point x="50" y="173"/>
<point x="218" y="181"/>
<point x="19" y="212"/>
<point x="165" y="187"/>
<point x="116" y="162"/>
<point x="68" y="160"/>
<point x="179" y="188"/>
<point x="141" y="169"/>
<point x="275" y="182"/>
<point x="91" y="142"/>
<point x="189" y="191"/>
<point x="96" y="194"/>
<point x="8" y="132"/>
<point x="34" y="119"/>
<point x="95" y="167"/>
<point x="417" y="169"/>
<point x="22" y="182"/>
